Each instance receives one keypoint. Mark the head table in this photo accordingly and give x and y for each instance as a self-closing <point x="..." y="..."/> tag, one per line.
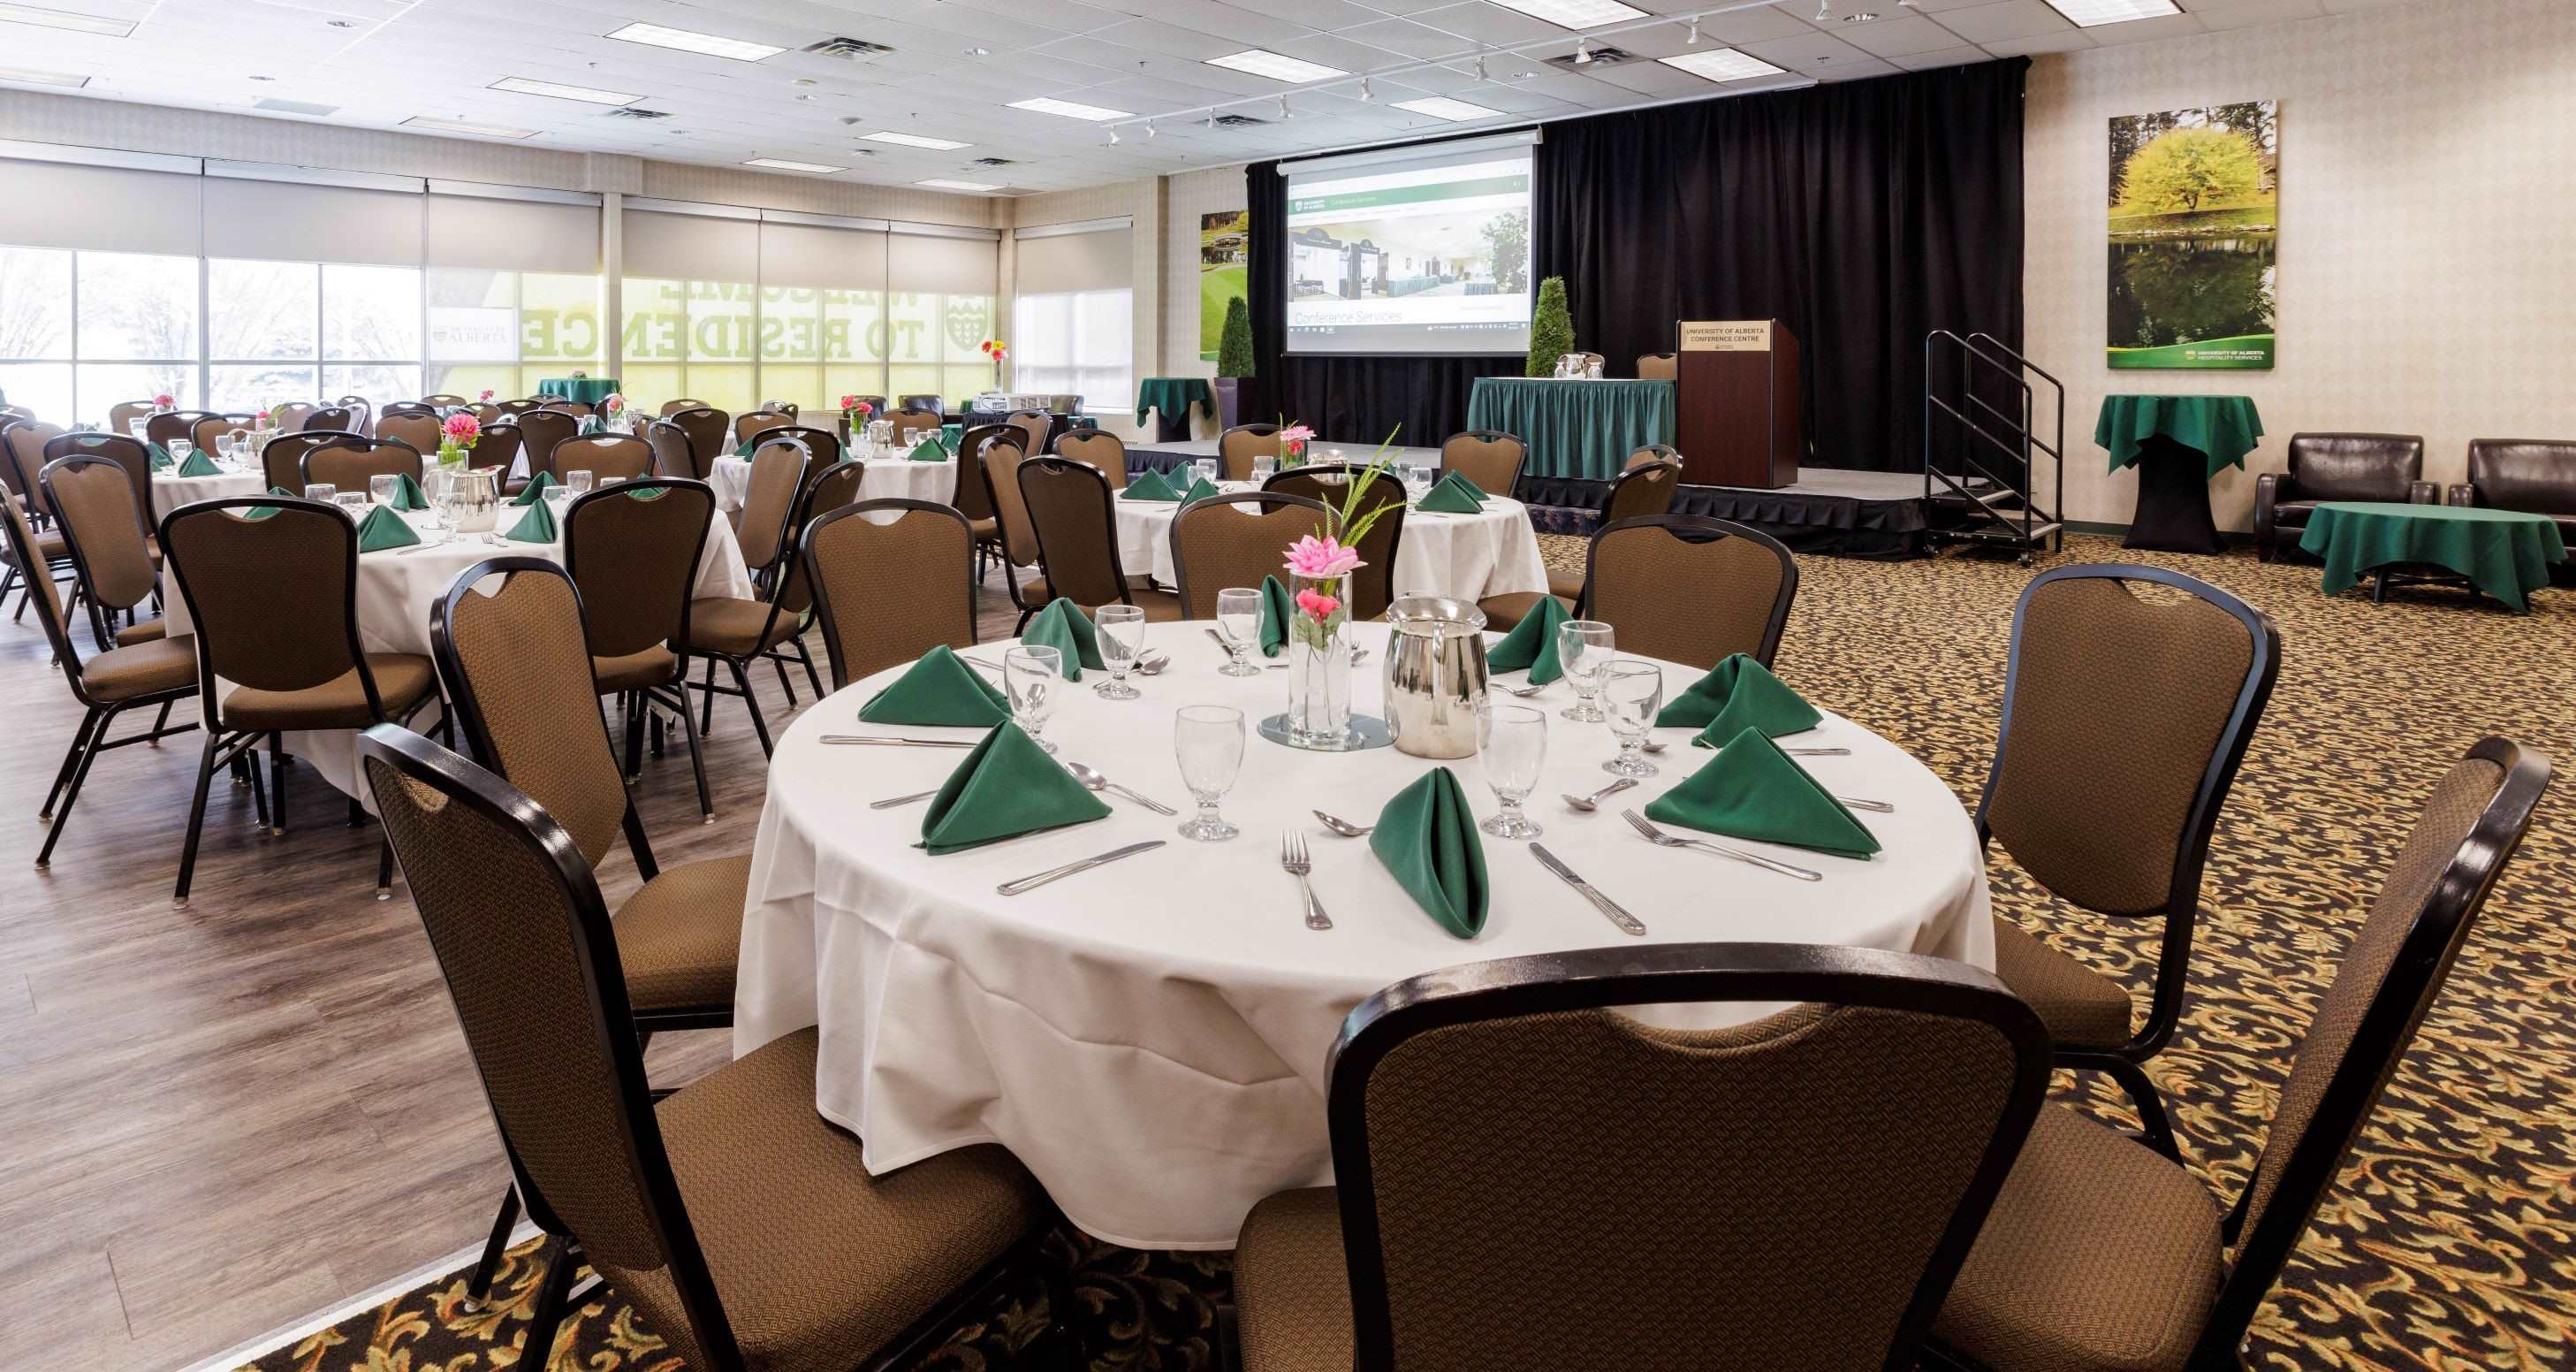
<point x="1461" y="556"/>
<point x="1149" y="1037"/>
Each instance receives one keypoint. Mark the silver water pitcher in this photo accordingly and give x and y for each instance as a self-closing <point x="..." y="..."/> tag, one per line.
<point x="1435" y="675"/>
<point x="474" y="501"/>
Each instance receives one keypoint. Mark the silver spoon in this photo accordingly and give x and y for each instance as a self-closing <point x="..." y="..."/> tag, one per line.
<point x="1093" y="781"/>
<point x="1344" y="827"/>
<point x="1591" y="802"/>
<point x="1524" y="692"/>
<point x="1153" y="665"/>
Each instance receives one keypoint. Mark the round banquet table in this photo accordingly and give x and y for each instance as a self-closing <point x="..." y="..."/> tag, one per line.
<point x="886" y="477"/>
<point x="1463" y="557"/>
<point x="170" y="491"/>
<point x="1149" y="1037"/>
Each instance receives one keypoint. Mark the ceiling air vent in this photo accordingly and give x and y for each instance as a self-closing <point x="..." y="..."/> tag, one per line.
<point x="993" y="161"/>
<point x="850" y="49"/>
<point x="1239" y="121"/>
<point x="636" y="112"/>
<point x="295" y="107"/>
<point x="1601" y="56"/>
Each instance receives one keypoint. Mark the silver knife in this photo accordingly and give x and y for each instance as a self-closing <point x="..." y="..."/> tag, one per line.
<point x="1031" y="883"/>
<point x="1628" y="923"/>
<point x="894" y="741"/>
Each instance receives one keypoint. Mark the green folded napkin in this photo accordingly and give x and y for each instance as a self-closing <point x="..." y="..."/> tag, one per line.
<point x="1005" y="788"/>
<point x="940" y="689"/>
<point x="198" y="464"/>
<point x="1752" y="790"/>
<point x="1454" y="494"/>
<point x="1427" y="838"/>
<point x="743" y="449"/>
<point x="1275" y="610"/>
<point x="534" y="493"/>
<point x="929" y="450"/>
<point x="1738" y="694"/>
<point x="536" y="526"/>
<point x="161" y="459"/>
<point x="264" y="511"/>
<point x="408" y="495"/>
<point x="1200" y="489"/>
<point x="383" y="529"/>
<point x="1064" y="627"/>
<point x="1462" y="481"/>
<point x="1532" y="643"/>
<point x="1151" y="486"/>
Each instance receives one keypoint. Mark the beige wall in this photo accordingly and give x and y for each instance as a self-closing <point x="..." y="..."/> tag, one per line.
<point x="2427" y="278"/>
<point x="1138" y="201"/>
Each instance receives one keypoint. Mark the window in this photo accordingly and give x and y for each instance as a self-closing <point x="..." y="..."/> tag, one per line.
<point x="36" y="330"/>
<point x="819" y="345"/>
<point x="505" y="331"/>
<point x="134" y="329"/>
<point x="1076" y="343"/>
<point x="281" y="331"/>
<point x="933" y="346"/>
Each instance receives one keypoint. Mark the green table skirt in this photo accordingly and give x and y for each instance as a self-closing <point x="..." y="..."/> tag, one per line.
<point x="2223" y="428"/>
<point x="2504" y="553"/>
<point x="1579" y="429"/>
<point x="588" y="390"/>
<point x="1172" y="397"/>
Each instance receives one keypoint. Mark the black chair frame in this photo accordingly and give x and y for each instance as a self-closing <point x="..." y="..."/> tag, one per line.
<point x="1051" y="464"/>
<point x="642" y="711"/>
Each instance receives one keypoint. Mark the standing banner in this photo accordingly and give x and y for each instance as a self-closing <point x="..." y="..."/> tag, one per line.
<point x="1224" y="238"/>
<point x="2195" y="217"/>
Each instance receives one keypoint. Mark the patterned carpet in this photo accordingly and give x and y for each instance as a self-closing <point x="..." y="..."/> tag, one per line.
<point x="2450" y="1242"/>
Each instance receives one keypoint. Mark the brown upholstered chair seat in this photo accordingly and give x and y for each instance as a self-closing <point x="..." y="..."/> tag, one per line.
<point x="985" y="530"/>
<point x="2098" y="1254"/>
<point x="655" y="666"/>
<point x="1294" y="1306"/>
<point x="1504" y="612"/>
<point x="149" y="631"/>
<point x="722" y="624"/>
<point x="402" y="681"/>
<point x="817" y="1262"/>
<point x="168" y="664"/>
<point x="50" y="545"/>
<point x="680" y="936"/>
<point x="1565" y="586"/>
<point x="2080" y="1006"/>
<point x="1160" y="607"/>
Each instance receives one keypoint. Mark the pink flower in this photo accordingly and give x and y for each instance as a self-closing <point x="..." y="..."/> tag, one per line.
<point x="463" y="427"/>
<point x="487" y="397"/>
<point x="163" y="401"/>
<point x="1316" y="603"/>
<point x="1322" y="559"/>
<point x="614" y="404"/>
<point x="1297" y="433"/>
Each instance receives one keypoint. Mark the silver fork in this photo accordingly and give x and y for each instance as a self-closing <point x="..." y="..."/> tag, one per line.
<point x="1292" y="855"/>
<point x="1664" y="840"/>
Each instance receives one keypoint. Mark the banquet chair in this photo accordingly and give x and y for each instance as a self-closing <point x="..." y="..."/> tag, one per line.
<point x="1034" y="426"/>
<point x="289" y="418"/>
<point x="126" y="451"/>
<point x="735" y="631"/>
<point x="539" y="432"/>
<point x="161" y="428"/>
<point x="2100" y="1254"/>
<point x="2144" y="702"/>
<point x="1073" y="518"/>
<point x="1105" y="453"/>
<point x="351" y="465"/>
<point x="22" y="459"/>
<point x="441" y="401"/>
<point x="204" y="434"/>
<point x="515" y="408"/>
<point x="361" y="413"/>
<point x="1013" y="538"/>
<point x="497" y="448"/>
<point x="415" y="425"/>
<point x="1689" y="589"/>
<point x="623" y="549"/>
<point x="2531" y="475"/>
<point x="1530" y="1181"/>
<point x="824" y="444"/>
<point x="1643" y="491"/>
<point x="1217" y="547"/>
<point x="271" y="586"/>
<point x="579" y="410"/>
<point x="1373" y="585"/>
<point x="753" y="425"/>
<point x="1489" y="457"/>
<point x="923" y="404"/>
<point x="850" y="561"/>
<point x="972" y="496"/>
<point x="707" y="430"/>
<point x="744" y="1229"/>
<point x="673" y="457"/>
<point x="826" y="488"/>
<point x="1236" y="447"/>
<point x="607" y="457"/>
<point x="672" y="407"/>
<point x="281" y="460"/>
<point x="335" y="418"/>
<point x="2336" y="466"/>
<point x="94" y="504"/>
<point x="125" y="412"/>
<point x="1652" y="452"/>
<point x="158" y="673"/>
<point x="1658" y="366"/>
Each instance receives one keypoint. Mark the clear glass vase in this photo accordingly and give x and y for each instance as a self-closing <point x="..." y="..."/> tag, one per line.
<point x="1319" y="665"/>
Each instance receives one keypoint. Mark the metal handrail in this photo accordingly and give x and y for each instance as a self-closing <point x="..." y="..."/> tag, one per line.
<point x="1984" y="357"/>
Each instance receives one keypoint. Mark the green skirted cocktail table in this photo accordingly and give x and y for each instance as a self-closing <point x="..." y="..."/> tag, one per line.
<point x="587" y="390"/>
<point x="2178" y="443"/>
<point x="2505" y="553"/>
<point x="1170" y="398"/>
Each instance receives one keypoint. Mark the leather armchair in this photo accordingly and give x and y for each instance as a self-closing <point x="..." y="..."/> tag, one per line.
<point x="2533" y="475"/>
<point x="2322" y="467"/>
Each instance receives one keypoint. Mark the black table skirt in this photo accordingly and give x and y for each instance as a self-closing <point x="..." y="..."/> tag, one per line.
<point x="2173" y="500"/>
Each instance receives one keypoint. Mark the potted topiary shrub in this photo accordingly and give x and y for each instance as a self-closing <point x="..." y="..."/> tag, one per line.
<point x="1233" y="362"/>
<point x="1551" y="329"/>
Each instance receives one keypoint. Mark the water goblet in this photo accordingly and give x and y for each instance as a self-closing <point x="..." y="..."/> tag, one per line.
<point x="224" y="445"/>
<point x="1582" y="647"/>
<point x="1208" y="739"/>
<point x="1632" y="694"/>
<point x="1122" y="641"/>
<point x="1264" y="467"/>
<point x="579" y="482"/>
<point x="351" y="503"/>
<point x="1511" y="743"/>
<point x="1238" y="621"/>
<point x="179" y="448"/>
<point x="1032" y="675"/>
<point x="323" y="491"/>
<point x="1204" y="469"/>
<point x="383" y="487"/>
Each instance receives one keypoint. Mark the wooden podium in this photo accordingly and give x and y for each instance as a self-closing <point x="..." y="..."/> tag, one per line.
<point x="1736" y="403"/>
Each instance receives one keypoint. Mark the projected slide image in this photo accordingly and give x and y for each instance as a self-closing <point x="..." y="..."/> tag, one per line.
<point x="1424" y="256"/>
<point x="1387" y="259"/>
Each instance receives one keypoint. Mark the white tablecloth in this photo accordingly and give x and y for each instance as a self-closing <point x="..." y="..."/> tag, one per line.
<point x="886" y="478"/>
<point x="1149" y="1038"/>
<point x="169" y="491"/>
<point x="1465" y="557"/>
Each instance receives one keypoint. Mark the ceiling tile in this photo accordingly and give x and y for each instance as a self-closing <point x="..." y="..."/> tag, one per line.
<point x="2241" y="14"/>
<point x="1944" y="57"/>
<point x="2010" y="19"/>
<point x="1897" y="36"/>
<point x="2071" y="40"/>
<point x="2146" y="30"/>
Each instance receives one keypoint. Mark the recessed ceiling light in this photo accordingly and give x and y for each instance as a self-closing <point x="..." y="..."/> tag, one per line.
<point x="776" y="164"/>
<point x="686" y="41"/>
<point x="1278" y="66"/>
<point x="979" y="52"/>
<point x="1864" y="17"/>
<point x="1442" y="107"/>
<point x="1045" y="104"/>
<point x="802" y="81"/>
<point x="914" y="140"/>
<point x="941" y="183"/>
<point x="63" y="19"/>
<point x="2094" y="13"/>
<point x="1575" y="14"/>
<point x="556" y="90"/>
<point x="422" y="121"/>
<point x="41" y="78"/>
<point x="1723" y="64"/>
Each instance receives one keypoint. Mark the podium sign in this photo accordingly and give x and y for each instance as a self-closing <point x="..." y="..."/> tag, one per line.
<point x="1736" y="403"/>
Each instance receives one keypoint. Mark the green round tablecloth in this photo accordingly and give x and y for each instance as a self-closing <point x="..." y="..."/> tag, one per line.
<point x="1581" y="429"/>
<point x="588" y="390"/>
<point x="2224" y="428"/>
<point x="1172" y="397"/>
<point x="2504" y="553"/>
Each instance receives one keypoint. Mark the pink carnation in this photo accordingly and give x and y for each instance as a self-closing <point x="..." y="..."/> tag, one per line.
<point x="1322" y="558"/>
<point x="1297" y="433"/>
<point x="463" y="427"/>
<point x="487" y="397"/>
<point x="1316" y="603"/>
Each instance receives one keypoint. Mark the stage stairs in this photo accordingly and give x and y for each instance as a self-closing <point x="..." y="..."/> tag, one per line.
<point x="1981" y="458"/>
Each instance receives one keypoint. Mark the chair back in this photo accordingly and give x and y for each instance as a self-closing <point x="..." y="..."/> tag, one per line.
<point x="1236" y="447"/>
<point x="706" y="429"/>
<point x="20" y="547"/>
<point x="361" y="413"/>
<point x="203" y="434"/>
<point x="440" y="401"/>
<point x="1001" y="459"/>
<point x="1073" y="516"/>
<point x="607" y="457"/>
<point x="1690" y="590"/>
<point x="922" y="404"/>
<point x="515" y="408"/>
<point x="1652" y="452"/>
<point x="349" y="465"/>
<point x="850" y="562"/>
<point x="2533" y="475"/>
<point x="577" y="409"/>
<point x="22" y="460"/>
<point x="539" y="432"/>
<point x="1373" y="585"/>
<point x="824" y="444"/>
<point x="1489" y="457"/>
<point x="126" y="412"/>
<point x="524" y="941"/>
<point x="289" y="418"/>
<point x="672" y="455"/>
<point x="2355" y="466"/>
<point x="777" y="478"/>
<point x="1228" y="541"/>
<point x="498" y="447"/>
<point x="161" y="428"/>
<point x="511" y="640"/>
<point x="973" y="498"/>
<point x="1797" y="1191"/>
<point x="274" y="597"/>
<point x="281" y="460"/>
<point x="829" y="488"/>
<point x="1644" y="491"/>
<point x="2393" y="969"/>
<point x="1658" y="366"/>
<point x="414" y="425"/>
<point x="1033" y="426"/>
<point x="126" y="451"/>
<point x="101" y="528"/>
<point x="750" y="426"/>
<point x="672" y="407"/>
<point x="336" y="418"/>
<point x="633" y="553"/>
<point x="1105" y="453"/>
<point x="2118" y="702"/>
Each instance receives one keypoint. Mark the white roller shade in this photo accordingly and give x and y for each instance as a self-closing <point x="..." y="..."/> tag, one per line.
<point x="284" y="221"/>
<point x="513" y="235"/>
<point x="920" y="263"/>
<point x="689" y="247"/>
<point x="1098" y="261"/>
<point x="102" y="209"/>
<point x="821" y="258"/>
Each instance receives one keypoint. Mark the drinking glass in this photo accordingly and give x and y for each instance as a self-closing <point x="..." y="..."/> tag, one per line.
<point x="134" y="428"/>
<point x="1209" y="742"/>
<point x="1582" y="648"/>
<point x="1205" y="469"/>
<point x="1264" y="467"/>
<point x="558" y="500"/>
<point x="179" y="449"/>
<point x="579" y="482"/>
<point x="1511" y="742"/>
<point x="224" y="448"/>
<point x="1031" y="675"/>
<point x="351" y="503"/>
<point x="383" y="487"/>
<point x="323" y="491"/>
<point x="1122" y="641"/>
<point x="1632" y="694"/>
<point x="436" y="483"/>
<point x="1238" y="620"/>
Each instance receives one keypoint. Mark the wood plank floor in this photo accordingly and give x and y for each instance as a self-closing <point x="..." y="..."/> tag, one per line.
<point x="219" y="1119"/>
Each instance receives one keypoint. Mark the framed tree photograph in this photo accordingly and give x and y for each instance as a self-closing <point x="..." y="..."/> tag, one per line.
<point x="2195" y="219"/>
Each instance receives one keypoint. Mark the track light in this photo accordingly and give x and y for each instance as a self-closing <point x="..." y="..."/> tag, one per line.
<point x="1694" y="31"/>
<point x="1211" y="121"/>
<point x="1481" y="74"/>
<point x="1151" y="133"/>
<point x="1366" y="94"/>
<point x="1113" y="137"/>
<point x="1824" y="10"/>
<point x="1284" y="111"/>
<point x="1582" y="52"/>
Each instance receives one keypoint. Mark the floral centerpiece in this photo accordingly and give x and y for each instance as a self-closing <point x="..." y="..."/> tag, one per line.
<point x="579" y="375"/>
<point x="1292" y="444"/>
<point x="995" y="349"/>
<point x="613" y="404"/>
<point x="457" y="437"/>
<point x="1319" y="567"/>
<point x="485" y="398"/>
<point x="854" y="413"/>
<point x="164" y="404"/>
